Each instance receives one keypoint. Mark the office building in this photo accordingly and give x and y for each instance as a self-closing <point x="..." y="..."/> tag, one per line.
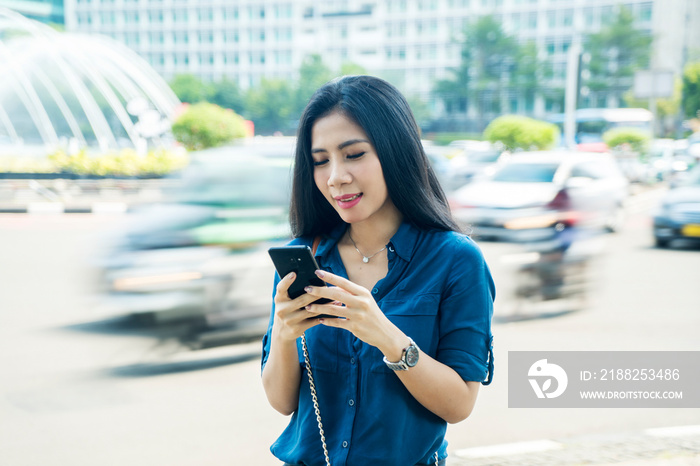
<point x="412" y="43"/>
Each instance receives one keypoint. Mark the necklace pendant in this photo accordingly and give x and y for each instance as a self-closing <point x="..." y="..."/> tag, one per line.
<point x="365" y="259"/>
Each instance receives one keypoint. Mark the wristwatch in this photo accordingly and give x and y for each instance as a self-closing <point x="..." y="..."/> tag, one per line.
<point x="409" y="358"/>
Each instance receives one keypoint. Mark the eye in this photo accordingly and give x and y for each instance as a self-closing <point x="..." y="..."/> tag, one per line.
<point x="356" y="156"/>
<point x="318" y="163"/>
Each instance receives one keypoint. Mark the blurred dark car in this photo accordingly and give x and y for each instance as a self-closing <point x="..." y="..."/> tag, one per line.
<point x="534" y="196"/>
<point x="679" y="214"/>
<point x="200" y="257"/>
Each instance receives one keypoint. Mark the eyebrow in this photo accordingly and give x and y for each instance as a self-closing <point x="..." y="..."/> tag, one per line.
<point x="342" y="145"/>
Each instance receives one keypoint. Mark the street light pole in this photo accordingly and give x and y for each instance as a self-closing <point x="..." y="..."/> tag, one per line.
<point x="571" y="93"/>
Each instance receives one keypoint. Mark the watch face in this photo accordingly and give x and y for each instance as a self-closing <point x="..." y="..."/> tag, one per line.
<point x="412" y="356"/>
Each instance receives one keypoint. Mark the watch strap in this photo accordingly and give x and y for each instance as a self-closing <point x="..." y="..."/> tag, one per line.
<point x="401" y="364"/>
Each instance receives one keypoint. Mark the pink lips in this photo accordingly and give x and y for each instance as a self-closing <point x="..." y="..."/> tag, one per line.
<point x="348" y="200"/>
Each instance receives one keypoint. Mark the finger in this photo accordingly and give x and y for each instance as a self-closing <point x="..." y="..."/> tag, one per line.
<point x="333" y="293"/>
<point x="304" y="300"/>
<point x="332" y="309"/>
<point x="291" y="307"/>
<point x="309" y="322"/>
<point x="340" y="282"/>
<point x="337" y="323"/>
<point x="285" y="283"/>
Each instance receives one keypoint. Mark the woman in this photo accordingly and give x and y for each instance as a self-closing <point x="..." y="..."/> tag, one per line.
<point x="413" y="295"/>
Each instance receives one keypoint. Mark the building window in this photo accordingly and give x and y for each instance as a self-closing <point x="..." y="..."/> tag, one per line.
<point x="532" y="21"/>
<point x="231" y="13"/>
<point x="645" y="10"/>
<point x="180" y="15"/>
<point x="206" y="15"/>
<point x="515" y="21"/>
<point x="551" y="48"/>
<point x="131" y="17"/>
<point x="231" y="36"/>
<point x="567" y="18"/>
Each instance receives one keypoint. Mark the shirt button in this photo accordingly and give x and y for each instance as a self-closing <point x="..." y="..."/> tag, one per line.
<point x="351" y="402"/>
<point x="345" y="444"/>
<point x="391" y="249"/>
<point x="375" y="291"/>
<point x="352" y="360"/>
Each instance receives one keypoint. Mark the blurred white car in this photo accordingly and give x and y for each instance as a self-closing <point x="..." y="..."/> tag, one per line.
<point x="536" y="195"/>
<point x="472" y="164"/>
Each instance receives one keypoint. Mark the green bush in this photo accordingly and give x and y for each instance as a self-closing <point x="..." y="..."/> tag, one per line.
<point x="519" y="132"/>
<point x="443" y="139"/>
<point x="205" y="125"/>
<point x="626" y="138"/>
<point x="126" y="162"/>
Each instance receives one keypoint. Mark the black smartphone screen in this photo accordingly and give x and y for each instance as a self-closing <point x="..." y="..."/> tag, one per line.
<point x="300" y="260"/>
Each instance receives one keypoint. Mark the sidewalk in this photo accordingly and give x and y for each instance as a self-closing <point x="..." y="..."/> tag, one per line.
<point x="672" y="446"/>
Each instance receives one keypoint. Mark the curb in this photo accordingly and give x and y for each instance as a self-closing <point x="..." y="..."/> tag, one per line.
<point x="52" y="208"/>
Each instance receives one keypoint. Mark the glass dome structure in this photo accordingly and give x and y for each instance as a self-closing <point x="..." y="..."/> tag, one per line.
<point x="70" y="90"/>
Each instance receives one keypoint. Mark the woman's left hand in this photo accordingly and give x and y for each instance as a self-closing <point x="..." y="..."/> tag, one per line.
<point x="360" y="313"/>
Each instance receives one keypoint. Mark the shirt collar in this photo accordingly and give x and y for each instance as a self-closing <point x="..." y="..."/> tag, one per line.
<point x="404" y="240"/>
<point x="329" y="241"/>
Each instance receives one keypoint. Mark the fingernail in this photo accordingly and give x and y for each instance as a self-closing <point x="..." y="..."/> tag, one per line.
<point x="308" y="308"/>
<point x="292" y="275"/>
<point x="307" y="289"/>
<point x="319" y="273"/>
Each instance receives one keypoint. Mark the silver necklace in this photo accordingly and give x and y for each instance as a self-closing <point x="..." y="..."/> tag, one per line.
<point x="365" y="259"/>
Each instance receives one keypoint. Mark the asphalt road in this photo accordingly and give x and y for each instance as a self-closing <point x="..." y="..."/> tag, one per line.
<point x="73" y="392"/>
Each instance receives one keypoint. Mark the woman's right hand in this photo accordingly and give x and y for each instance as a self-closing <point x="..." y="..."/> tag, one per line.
<point x="291" y="320"/>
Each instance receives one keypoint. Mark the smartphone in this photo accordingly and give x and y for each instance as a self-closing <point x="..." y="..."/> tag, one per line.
<point x="300" y="260"/>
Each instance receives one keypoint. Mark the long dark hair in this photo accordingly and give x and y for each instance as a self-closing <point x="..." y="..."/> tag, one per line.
<point x="385" y="116"/>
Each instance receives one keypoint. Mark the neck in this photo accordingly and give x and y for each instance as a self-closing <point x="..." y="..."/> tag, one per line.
<point x="371" y="236"/>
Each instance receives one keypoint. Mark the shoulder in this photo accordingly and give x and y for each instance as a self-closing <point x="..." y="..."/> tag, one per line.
<point x="301" y="241"/>
<point x="453" y="245"/>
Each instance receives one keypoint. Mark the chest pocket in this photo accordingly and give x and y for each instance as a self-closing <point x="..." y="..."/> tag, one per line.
<point x="322" y="343"/>
<point x="418" y="319"/>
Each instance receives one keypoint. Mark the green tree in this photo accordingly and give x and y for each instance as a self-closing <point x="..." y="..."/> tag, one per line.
<point x="227" y="94"/>
<point x="420" y="109"/>
<point x="691" y="90"/>
<point x="494" y="68"/>
<point x="205" y="125"/>
<point x="270" y="105"/>
<point x="616" y="52"/>
<point x="349" y="68"/>
<point x="312" y="75"/>
<point x="189" y="88"/>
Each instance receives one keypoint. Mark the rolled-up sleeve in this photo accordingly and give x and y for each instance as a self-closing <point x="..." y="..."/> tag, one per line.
<point x="466" y="310"/>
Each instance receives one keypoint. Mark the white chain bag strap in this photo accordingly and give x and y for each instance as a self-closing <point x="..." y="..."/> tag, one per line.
<point x="312" y="385"/>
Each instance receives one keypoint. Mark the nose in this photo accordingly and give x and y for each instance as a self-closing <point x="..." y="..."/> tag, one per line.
<point x="339" y="174"/>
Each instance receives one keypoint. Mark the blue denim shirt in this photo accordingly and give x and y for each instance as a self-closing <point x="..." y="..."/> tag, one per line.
<point x="438" y="291"/>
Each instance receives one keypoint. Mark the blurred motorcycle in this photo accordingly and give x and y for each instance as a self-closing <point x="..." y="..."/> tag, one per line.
<point x="553" y="276"/>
